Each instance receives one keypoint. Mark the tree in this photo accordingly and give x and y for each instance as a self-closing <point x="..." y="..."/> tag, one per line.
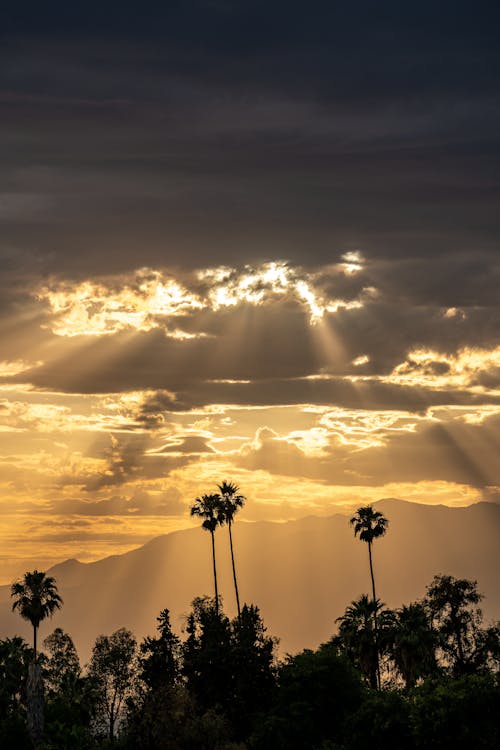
<point x="63" y="663"/>
<point x="208" y="507"/>
<point x="253" y="673"/>
<point x="230" y="502"/>
<point x="369" y="524"/>
<point x="36" y="598"/>
<point x="159" y="660"/>
<point x="466" y="647"/>
<point x="413" y="643"/>
<point x="207" y="659"/>
<point x="457" y="714"/>
<point x="15" y="657"/>
<point x="359" y="638"/>
<point x="113" y="669"/>
<point x="317" y="692"/>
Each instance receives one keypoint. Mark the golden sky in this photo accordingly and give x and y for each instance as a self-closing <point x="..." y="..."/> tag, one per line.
<point x="243" y="241"/>
<point x="123" y="396"/>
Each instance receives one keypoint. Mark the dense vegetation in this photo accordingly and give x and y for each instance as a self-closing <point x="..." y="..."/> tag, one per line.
<point x="422" y="676"/>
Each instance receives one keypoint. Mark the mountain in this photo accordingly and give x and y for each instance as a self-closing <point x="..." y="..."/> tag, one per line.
<point x="302" y="574"/>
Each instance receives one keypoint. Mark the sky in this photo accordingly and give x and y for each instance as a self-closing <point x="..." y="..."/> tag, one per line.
<point x="253" y="241"/>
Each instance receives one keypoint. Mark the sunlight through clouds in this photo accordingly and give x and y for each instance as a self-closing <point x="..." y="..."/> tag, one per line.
<point x="152" y="299"/>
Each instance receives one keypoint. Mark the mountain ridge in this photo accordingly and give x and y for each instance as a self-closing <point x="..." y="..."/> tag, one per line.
<point x="301" y="573"/>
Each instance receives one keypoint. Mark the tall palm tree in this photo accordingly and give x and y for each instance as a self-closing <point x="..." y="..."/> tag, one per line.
<point x="369" y="524"/>
<point x="208" y="507"/>
<point x="230" y="502"/>
<point x="36" y="598"/>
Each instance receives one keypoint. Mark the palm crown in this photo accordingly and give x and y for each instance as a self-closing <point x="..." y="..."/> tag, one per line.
<point x="369" y="524"/>
<point x="230" y="501"/>
<point x="35" y="597"/>
<point x="208" y="508"/>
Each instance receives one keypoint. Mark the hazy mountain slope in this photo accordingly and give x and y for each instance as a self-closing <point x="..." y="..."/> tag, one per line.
<point x="302" y="574"/>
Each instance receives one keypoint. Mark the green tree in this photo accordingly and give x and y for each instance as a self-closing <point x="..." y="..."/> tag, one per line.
<point x="465" y="646"/>
<point x="413" y="643"/>
<point x="63" y="662"/>
<point x="360" y="640"/>
<point x="113" y="669"/>
<point x="457" y="714"/>
<point x="208" y="507"/>
<point x="35" y="598"/>
<point x="317" y="692"/>
<point x="230" y="502"/>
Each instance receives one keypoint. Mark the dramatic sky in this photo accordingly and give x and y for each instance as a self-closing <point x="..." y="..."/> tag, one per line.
<point x="255" y="241"/>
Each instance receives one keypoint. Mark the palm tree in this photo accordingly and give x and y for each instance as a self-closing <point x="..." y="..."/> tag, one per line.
<point x="413" y="643"/>
<point x="36" y="598"/>
<point x="230" y="502"/>
<point x="369" y="524"/>
<point x="208" y="507"/>
<point x="359" y="637"/>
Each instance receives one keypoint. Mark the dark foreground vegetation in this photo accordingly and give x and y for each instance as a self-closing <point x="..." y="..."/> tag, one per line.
<point x="422" y="677"/>
<point x="222" y="688"/>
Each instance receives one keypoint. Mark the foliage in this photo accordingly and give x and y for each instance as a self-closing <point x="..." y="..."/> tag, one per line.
<point x="457" y="714"/>
<point x="36" y="598"/>
<point x="413" y="643"/>
<point x="465" y="647"/>
<point x="113" y="671"/>
<point x="317" y="691"/>
<point x="360" y="640"/>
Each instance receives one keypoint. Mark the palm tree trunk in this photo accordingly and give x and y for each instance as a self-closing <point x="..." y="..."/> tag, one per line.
<point x="371" y="571"/>
<point x="34" y="643"/>
<point x="215" y="573"/>
<point x="375" y="632"/>
<point x="34" y="696"/>
<point x="234" y="570"/>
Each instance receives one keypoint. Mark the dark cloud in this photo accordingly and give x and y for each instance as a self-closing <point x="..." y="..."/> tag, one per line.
<point x="202" y="131"/>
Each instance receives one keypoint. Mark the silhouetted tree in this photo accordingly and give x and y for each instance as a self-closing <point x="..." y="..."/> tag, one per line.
<point x="359" y="638"/>
<point x="207" y="663"/>
<point x="253" y="673"/>
<point x="15" y="658"/>
<point x="369" y="524"/>
<point x="63" y="662"/>
<point x="413" y="643"/>
<point x="466" y="647"/>
<point x="230" y="502"/>
<point x="35" y="598"/>
<point x="316" y="694"/>
<point x="159" y="659"/>
<point x="113" y="670"/>
<point x="457" y="714"/>
<point x="208" y="508"/>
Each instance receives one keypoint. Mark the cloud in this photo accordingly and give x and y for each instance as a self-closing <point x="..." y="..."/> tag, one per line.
<point x="141" y="502"/>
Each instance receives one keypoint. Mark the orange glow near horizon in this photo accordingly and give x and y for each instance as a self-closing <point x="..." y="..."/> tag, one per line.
<point x="105" y="445"/>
